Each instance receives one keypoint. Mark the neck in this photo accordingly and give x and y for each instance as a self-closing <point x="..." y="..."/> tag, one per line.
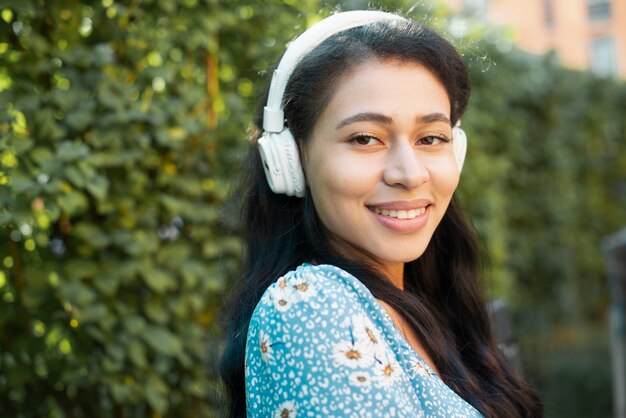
<point x="395" y="274"/>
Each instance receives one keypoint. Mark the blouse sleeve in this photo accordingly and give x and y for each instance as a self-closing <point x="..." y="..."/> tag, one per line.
<point x="313" y="351"/>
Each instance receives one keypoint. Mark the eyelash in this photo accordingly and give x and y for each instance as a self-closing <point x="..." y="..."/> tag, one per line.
<point x="355" y="138"/>
<point x="441" y="138"/>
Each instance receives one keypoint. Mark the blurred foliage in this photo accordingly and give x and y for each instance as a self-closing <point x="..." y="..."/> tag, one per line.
<point x="120" y="123"/>
<point x="545" y="180"/>
<point x="577" y="375"/>
<point x="122" y="126"/>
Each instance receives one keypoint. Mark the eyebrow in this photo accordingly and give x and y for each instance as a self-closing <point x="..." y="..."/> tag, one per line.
<point x="434" y="117"/>
<point x="365" y="117"/>
<point x="381" y="118"/>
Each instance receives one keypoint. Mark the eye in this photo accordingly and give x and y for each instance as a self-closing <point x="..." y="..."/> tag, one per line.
<point x="433" y="140"/>
<point x="363" y="139"/>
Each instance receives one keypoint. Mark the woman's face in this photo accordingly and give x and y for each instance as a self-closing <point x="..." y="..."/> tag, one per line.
<point x="380" y="164"/>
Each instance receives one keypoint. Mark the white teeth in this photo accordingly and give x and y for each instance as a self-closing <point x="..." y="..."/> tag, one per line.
<point x="401" y="214"/>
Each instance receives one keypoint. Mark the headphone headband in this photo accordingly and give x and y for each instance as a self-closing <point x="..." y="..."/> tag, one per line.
<point x="273" y="115"/>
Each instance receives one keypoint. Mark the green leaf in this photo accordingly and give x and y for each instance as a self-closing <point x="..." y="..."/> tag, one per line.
<point x="41" y="155"/>
<point x="49" y="128"/>
<point x="114" y="159"/>
<point x="71" y="151"/>
<point x="94" y="312"/>
<point x="23" y="185"/>
<point x="108" y="96"/>
<point x="98" y="186"/>
<point x="23" y="144"/>
<point x="159" y="281"/>
<point x="81" y="268"/>
<point x="156" y="311"/>
<point x="73" y="203"/>
<point x="74" y="175"/>
<point x="79" y="119"/>
<point x="141" y="243"/>
<point x="135" y="324"/>
<point x="162" y="340"/>
<point x="120" y="392"/>
<point x="34" y="297"/>
<point x="107" y="284"/>
<point x="191" y="272"/>
<point x="137" y="353"/>
<point x="156" y="393"/>
<point x="174" y="255"/>
<point x="91" y="234"/>
<point x="77" y="293"/>
<point x="5" y="218"/>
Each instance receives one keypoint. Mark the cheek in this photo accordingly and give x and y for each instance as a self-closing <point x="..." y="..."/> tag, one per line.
<point x="445" y="178"/>
<point x="342" y="181"/>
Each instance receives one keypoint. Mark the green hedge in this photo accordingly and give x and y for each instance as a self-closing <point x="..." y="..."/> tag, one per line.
<point x="116" y="142"/>
<point x="122" y="126"/>
<point x="545" y="180"/>
<point x="546" y="177"/>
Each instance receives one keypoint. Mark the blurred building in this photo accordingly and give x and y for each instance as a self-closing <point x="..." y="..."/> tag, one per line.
<point x="586" y="34"/>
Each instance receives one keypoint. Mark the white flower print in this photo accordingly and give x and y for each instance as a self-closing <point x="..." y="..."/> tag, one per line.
<point x="360" y="379"/>
<point x="267" y="353"/>
<point x="283" y="295"/>
<point x="282" y="283"/>
<point x="303" y="286"/>
<point x="309" y="275"/>
<point x="352" y="354"/>
<point x="418" y="367"/>
<point x="286" y="409"/>
<point x="387" y="370"/>
<point x="365" y="331"/>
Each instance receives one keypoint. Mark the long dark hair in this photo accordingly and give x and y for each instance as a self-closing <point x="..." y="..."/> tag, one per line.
<point x="442" y="300"/>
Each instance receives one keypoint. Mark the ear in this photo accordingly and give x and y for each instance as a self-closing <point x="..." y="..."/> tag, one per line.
<point x="459" y="144"/>
<point x="303" y="159"/>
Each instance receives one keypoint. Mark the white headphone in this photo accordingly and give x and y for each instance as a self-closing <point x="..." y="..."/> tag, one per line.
<point x="278" y="149"/>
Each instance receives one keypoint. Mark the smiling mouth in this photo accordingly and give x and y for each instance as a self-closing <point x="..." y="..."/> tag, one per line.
<point x="399" y="214"/>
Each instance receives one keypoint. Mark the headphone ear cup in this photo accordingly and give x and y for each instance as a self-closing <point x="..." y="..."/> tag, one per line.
<point x="459" y="145"/>
<point x="295" y="174"/>
<point x="271" y="164"/>
<point x="281" y="163"/>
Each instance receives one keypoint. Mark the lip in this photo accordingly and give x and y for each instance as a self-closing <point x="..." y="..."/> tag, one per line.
<point x="403" y="226"/>
<point x="401" y="204"/>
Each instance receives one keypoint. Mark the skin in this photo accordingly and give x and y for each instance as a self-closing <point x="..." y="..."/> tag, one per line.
<point x="382" y="141"/>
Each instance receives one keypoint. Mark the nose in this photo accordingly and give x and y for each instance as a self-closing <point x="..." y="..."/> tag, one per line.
<point x="405" y="167"/>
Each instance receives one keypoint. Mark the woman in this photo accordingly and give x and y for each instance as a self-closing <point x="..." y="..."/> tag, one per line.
<point x="360" y="293"/>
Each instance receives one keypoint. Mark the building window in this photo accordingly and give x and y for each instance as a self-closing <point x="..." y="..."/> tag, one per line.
<point x="475" y="7"/>
<point x="603" y="57"/>
<point x="548" y="13"/>
<point x="599" y="9"/>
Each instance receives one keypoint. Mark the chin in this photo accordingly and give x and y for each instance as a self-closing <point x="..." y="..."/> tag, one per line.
<point x="401" y="258"/>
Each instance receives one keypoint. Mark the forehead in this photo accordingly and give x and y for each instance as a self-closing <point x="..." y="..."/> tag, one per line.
<point x="390" y="87"/>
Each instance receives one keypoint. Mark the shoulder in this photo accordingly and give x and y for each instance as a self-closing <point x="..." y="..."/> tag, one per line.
<point x="314" y="344"/>
<point x="317" y="312"/>
<point x="310" y="298"/>
<point x="320" y="288"/>
<point x="319" y="344"/>
<point x="323" y="299"/>
<point x="312" y="308"/>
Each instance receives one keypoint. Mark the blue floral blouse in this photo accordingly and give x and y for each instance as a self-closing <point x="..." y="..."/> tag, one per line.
<point x="320" y="345"/>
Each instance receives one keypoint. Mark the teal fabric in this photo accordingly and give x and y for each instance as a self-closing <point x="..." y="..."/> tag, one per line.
<point x="320" y="345"/>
